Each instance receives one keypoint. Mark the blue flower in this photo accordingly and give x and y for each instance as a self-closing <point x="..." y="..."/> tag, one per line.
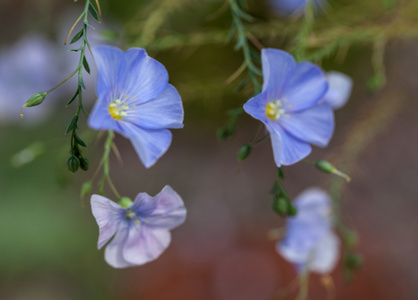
<point x="294" y="7"/>
<point x="340" y="86"/>
<point x="310" y="243"/>
<point x="288" y="106"/>
<point x="25" y="69"/>
<point x="141" y="228"/>
<point x="135" y="100"/>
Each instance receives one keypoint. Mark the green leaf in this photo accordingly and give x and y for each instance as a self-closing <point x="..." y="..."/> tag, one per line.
<point x="86" y="65"/>
<point x="72" y="124"/>
<point x="235" y="111"/>
<point x="79" y="141"/>
<point x="73" y="97"/>
<point x="77" y="36"/>
<point x="242" y="84"/>
<point x="94" y="12"/>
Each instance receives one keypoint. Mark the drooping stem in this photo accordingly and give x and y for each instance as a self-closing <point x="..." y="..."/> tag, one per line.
<point x="89" y="9"/>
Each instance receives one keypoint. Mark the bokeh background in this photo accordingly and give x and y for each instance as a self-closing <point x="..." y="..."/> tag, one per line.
<point x="224" y="250"/>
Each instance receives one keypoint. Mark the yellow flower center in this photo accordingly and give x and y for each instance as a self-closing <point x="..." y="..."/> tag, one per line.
<point x="118" y="109"/>
<point x="274" y="110"/>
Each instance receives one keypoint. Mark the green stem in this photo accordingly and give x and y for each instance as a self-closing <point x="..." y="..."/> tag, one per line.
<point x="303" y="286"/>
<point x="242" y="43"/>
<point x="105" y="163"/>
<point x="62" y="82"/>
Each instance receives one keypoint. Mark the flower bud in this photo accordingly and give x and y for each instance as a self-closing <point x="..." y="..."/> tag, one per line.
<point x="327" y="167"/>
<point x="280" y="206"/>
<point x="85" y="189"/>
<point x="351" y="239"/>
<point x="324" y="166"/>
<point x="73" y="163"/>
<point x="223" y="133"/>
<point x="375" y="82"/>
<point x="36" y="99"/>
<point x="243" y="152"/>
<point x="353" y="261"/>
<point x="291" y="210"/>
<point x="125" y="202"/>
<point x="84" y="164"/>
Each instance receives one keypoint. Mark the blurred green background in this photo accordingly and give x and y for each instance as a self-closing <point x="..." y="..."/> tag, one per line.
<point x="48" y="236"/>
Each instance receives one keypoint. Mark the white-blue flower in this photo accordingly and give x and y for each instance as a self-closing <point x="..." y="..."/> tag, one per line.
<point x="289" y="106"/>
<point x="136" y="100"/>
<point x="310" y="243"/>
<point x="141" y="229"/>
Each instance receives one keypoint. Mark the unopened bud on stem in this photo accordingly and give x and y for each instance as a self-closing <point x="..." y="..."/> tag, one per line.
<point x="125" y="202"/>
<point x="73" y="163"/>
<point x="327" y="167"/>
<point x="243" y="152"/>
<point x="34" y="100"/>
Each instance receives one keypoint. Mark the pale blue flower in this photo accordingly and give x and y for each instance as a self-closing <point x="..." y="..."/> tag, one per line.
<point x="340" y="86"/>
<point x="27" y="67"/>
<point x="288" y="106"/>
<point x="141" y="228"/>
<point x="135" y="100"/>
<point x="293" y="7"/>
<point x="310" y="243"/>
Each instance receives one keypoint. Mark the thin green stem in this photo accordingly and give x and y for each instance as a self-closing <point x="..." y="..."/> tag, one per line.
<point x="105" y="163"/>
<point x="302" y="37"/>
<point x="62" y="82"/>
<point x="238" y="15"/>
<point x="303" y="285"/>
<point x="112" y="187"/>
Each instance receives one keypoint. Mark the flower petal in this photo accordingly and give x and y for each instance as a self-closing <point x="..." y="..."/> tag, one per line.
<point x="108" y="216"/>
<point x="144" y="77"/>
<point x="108" y="60"/>
<point x="163" y="111"/>
<point x="339" y="90"/>
<point x="145" y="244"/>
<point x="114" y="251"/>
<point x="150" y="145"/>
<point x="305" y="87"/>
<point x="170" y="211"/>
<point x="313" y="200"/>
<point x="100" y="117"/>
<point x="287" y="149"/>
<point x="144" y="204"/>
<point x="314" y="125"/>
<point x="256" y="107"/>
<point x="277" y="64"/>
<point x="296" y="249"/>
<point x="326" y="254"/>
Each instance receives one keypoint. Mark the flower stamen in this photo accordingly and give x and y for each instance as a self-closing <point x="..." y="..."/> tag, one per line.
<point x="274" y="109"/>
<point x="118" y="109"/>
<point x="130" y="214"/>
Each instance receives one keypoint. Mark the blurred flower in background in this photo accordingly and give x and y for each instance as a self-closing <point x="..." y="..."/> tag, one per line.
<point x="35" y="63"/>
<point x="293" y="8"/>
<point x="30" y="65"/>
<point x="310" y="243"/>
<point x="339" y="89"/>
